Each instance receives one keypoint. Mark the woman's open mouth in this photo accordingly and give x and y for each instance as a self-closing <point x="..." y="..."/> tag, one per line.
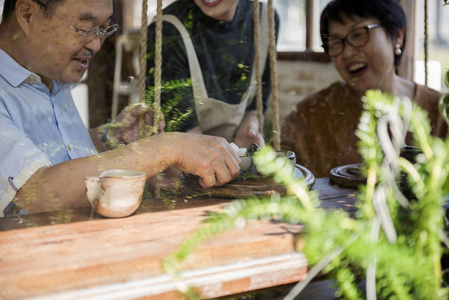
<point x="211" y="3"/>
<point x="357" y="69"/>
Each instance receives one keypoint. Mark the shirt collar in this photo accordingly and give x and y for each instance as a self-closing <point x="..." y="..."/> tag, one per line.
<point x="14" y="73"/>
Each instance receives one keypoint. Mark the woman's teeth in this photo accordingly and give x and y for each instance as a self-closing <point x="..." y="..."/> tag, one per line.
<point x="356" y="67"/>
<point x="210" y="1"/>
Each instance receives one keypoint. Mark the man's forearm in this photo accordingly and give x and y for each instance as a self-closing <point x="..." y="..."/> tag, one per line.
<point x="62" y="186"/>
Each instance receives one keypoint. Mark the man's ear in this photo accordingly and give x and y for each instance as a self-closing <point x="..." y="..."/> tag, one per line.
<point x="24" y="13"/>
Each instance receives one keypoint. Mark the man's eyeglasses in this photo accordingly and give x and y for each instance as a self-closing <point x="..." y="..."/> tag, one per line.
<point x="86" y="35"/>
<point x="357" y="38"/>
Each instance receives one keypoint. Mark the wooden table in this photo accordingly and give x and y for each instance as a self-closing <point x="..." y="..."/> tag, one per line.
<point x="78" y="254"/>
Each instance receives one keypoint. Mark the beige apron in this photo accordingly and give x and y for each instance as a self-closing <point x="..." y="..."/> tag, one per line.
<point x="217" y="117"/>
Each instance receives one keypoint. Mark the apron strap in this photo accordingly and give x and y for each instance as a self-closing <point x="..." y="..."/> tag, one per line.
<point x="196" y="74"/>
<point x="217" y="117"/>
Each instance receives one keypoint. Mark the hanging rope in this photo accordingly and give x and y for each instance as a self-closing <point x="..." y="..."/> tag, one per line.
<point x="157" y="83"/>
<point x="259" y="103"/>
<point x="158" y="67"/>
<point x="426" y="41"/>
<point x="141" y="132"/>
<point x="274" y="84"/>
<point x="143" y="53"/>
<point x="157" y="79"/>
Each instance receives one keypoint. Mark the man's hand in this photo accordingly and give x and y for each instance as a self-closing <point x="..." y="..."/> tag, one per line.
<point x="134" y="122"/>
<point x="211" y="158"/>
<point x="248" y="132"/>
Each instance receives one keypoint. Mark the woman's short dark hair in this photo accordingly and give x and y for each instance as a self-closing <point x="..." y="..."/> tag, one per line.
<point x="388" y="12"/>
<point x="10" y="5"/>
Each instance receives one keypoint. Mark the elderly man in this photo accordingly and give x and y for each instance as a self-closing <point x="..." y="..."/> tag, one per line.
<point x="45" y="151"/>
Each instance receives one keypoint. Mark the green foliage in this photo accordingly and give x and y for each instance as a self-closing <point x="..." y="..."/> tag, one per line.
<point x="245" y="175"/>
<point x="175" y="90"/>
<point x="446" y="79"/>
<point x="444" y="101"/>
<point x="406" y="268"/>
<point x="420" y="225"/>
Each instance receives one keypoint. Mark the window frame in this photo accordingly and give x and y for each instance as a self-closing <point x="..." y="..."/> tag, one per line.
<point x="309" y="54"/>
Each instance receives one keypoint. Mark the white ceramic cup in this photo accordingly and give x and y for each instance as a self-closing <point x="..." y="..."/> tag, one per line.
<point x="115" y="193"/>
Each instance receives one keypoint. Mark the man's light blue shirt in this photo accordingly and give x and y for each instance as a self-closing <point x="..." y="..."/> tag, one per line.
<point x="38" y="127"/>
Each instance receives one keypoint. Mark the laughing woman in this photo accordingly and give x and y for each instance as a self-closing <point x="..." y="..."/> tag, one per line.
<point x="365" y="40"/>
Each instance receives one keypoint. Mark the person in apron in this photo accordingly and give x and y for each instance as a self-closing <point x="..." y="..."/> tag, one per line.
<point x="210" y="44"/>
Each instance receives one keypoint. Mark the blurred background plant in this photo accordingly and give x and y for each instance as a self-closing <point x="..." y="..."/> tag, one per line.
<point x="444" y="101"/>
<point x="175" y="116"/>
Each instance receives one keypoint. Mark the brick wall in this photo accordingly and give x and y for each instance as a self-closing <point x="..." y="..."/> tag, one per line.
<point x="296" y="79"/>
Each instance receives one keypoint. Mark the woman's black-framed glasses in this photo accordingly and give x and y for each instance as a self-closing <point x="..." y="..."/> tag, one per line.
<point x="357" y="38"/>
<point x="86" y="35"/>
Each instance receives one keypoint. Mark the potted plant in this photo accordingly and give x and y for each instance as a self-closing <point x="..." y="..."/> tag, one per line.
<point x="393" y="243"/>
<point x="402" y="259"/>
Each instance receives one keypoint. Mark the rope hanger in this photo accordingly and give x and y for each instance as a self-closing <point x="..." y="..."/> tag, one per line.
<point x="158" y="60"/>
<point x="274" y="82"/>
<point x="426" y="41"/>
<point x="157" y="76"/>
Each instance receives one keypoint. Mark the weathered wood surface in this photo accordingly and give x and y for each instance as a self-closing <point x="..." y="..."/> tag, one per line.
<point x="334" y="196"/>
<point x="93" y="257"/>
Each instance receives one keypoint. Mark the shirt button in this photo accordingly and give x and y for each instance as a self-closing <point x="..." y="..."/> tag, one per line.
<point x="68" y="147"/>
<point x="32" y="79"/>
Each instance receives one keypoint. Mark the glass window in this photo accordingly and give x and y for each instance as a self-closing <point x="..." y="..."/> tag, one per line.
<point x="2" y="2"/>
<point x="152" y="5"/>
<point x="318" y="8"/>
<point x="438" y="44"/>
<point x="292" y="15"/>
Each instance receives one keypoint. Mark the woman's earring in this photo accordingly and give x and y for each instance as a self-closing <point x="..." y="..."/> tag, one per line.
<point x="398" y="50"/>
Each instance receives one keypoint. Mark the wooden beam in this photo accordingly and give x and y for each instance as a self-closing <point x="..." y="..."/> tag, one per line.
<point x="406" y="69"/>
<point x="309" y="24"/>
<point x="304" y="56"/>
